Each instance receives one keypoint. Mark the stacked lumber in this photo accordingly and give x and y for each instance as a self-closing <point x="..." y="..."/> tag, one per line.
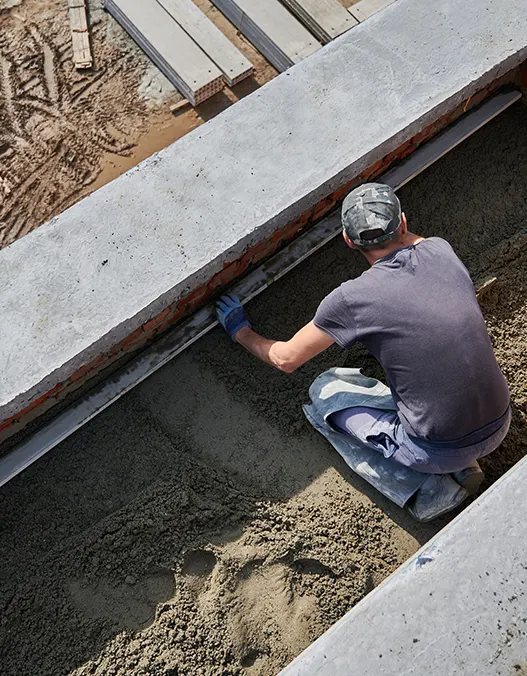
<point x="178" y="57"/>
<point x="80" y="37"/>
<point x="326" y="19"/>
<point x="233" y="64"/>
<point x="267" y="24"/>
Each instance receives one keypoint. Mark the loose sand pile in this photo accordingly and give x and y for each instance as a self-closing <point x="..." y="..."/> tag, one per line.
<point x="199" y="525"/>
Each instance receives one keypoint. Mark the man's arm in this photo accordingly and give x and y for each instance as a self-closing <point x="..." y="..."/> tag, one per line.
<point x="284" y="355"/>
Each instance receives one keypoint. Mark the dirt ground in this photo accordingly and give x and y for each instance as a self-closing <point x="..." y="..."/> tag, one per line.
<point x="64" y="133"/>
<point x="199" y="525"/>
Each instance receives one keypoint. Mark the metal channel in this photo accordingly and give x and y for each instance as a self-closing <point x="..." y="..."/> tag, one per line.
<point x="204" y="320"/>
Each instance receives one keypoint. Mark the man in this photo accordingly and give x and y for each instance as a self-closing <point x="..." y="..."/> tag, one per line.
<point x="416" y="311"/>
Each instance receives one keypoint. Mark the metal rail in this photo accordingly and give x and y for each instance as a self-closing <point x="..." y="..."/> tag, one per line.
<point x="200" y="323"/>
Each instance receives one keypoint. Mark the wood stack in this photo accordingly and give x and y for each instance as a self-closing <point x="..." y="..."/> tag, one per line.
<point x="80" y="37"/>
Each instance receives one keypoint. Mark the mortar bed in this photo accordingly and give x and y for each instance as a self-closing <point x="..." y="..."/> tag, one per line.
<point x="199" y="526"/>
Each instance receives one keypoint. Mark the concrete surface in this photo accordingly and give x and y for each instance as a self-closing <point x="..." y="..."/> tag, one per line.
<point x="77" y="286"/>
<point x="458" y="607"/>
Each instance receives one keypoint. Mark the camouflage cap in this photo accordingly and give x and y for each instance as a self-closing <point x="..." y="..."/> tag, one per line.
<point x="371" y="214"/>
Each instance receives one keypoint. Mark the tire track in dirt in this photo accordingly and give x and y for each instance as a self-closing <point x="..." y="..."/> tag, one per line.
<point x="7" y="89"/>
<point x="49" y="65"/>
<point x="56" y="123"/>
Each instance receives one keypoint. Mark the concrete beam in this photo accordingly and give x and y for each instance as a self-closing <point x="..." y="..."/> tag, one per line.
<point x="169" y="46"/>
<point x="457" y="607"/>
<point x="103" y="277"/>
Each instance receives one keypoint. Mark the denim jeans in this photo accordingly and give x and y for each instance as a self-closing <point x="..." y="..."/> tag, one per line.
<point x="382" y="431"/>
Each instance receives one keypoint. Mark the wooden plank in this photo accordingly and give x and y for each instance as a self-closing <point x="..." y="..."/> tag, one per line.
<point x="326" y="19"/>
<point x="365" y="8"/>
<point x="173" y="51"/>
<point x="276" y="33"/>
<point x="233" y="64"/>
<point x="80" y="36"/>
<point x="180" y="105"/>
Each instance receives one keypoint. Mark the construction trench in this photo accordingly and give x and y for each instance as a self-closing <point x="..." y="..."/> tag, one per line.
<point x="199" y="525"/>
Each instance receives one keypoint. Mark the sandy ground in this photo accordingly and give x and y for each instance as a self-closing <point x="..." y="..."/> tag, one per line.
<point x="64" y="133"/>
<point x="200" y="526"/>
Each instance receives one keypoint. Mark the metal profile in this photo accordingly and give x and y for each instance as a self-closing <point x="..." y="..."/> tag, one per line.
<point x="204" y="320"/>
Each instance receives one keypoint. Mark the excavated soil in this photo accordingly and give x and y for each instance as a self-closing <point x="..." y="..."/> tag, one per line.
<point x="63" y="132"/>
<point x="199" y="525"/>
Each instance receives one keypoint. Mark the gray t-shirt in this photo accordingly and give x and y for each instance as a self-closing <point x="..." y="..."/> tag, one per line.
<point x="416" y="311"/>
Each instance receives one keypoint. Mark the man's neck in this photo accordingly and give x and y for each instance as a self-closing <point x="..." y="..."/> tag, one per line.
<point x="408" y="239"/>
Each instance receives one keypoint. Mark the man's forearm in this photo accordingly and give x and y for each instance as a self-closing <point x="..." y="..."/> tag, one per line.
<point x="284" y="355"/>
<point x="272" y="352"/>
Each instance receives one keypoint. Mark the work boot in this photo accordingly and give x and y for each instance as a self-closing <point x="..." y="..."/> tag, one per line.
<point x="470" y="478"/>
<point x="438" y="495"/>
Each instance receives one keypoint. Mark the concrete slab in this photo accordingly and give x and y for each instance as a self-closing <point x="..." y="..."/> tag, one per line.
<point x="326" y="19"/>
<point x="457" y="607"/>
<point x="233" y="64"/>
<point x="169" y="46"/>
<point x="271" y="29"/>
<point x="138" y="253"/>
<point x="365" y="8"/>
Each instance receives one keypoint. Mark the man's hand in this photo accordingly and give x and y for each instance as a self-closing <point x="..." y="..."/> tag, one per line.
<point x="286" y="356"/>
<point x="231" y="315"/>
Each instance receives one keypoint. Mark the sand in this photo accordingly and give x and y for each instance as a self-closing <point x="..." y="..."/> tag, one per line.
<point x="199" y="525"/>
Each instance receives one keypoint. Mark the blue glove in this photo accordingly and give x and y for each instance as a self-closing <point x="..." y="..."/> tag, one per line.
<point x="231" y="315"/>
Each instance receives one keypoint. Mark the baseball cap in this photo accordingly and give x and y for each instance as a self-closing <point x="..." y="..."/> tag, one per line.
<point x="371" y="214"/>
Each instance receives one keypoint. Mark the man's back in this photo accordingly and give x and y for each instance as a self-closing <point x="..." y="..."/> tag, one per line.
<point x="416" y="311"/>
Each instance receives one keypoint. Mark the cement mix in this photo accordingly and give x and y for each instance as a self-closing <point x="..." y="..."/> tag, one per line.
<point x="199" y="525"/>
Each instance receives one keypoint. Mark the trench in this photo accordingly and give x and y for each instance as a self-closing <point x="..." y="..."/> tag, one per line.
<point x="199" y="525"/>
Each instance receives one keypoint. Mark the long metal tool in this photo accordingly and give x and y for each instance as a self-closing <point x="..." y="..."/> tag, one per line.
<point x="204" y="320"/>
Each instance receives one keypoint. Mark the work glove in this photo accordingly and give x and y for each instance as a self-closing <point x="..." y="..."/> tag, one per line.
<point x="231" y="315"/>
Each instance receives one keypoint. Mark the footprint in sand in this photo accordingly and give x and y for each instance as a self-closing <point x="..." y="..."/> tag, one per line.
<point x="312" y="567"/>
<point x="267" y="615"/>
<point x="198" y="566"/>
<point x="129" y="605"/>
